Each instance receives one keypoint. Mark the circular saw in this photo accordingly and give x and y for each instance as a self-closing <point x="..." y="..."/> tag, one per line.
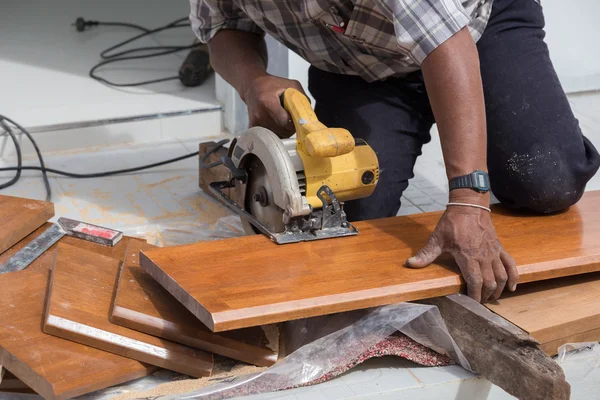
<point x="294" y="189"/>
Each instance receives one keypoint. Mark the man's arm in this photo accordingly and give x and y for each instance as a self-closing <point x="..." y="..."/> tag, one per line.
<point x="453" y="82"/>
<point x="241" y="59"/>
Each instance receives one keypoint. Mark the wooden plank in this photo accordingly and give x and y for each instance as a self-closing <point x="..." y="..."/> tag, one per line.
<point x="78" y="307"/>
<point x="12" y="384"/>
<point x="249" y="281"/>
<point x="501" y="352"/>
<point x="555" y="312"/>
<point x="142" y="304"/>
<point x="53" y="367"/>
<point x="19" y="217"/>
<point x="551" y="348"/>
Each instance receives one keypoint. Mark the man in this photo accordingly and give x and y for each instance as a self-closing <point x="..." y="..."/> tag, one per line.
<point x="387" y="69"/>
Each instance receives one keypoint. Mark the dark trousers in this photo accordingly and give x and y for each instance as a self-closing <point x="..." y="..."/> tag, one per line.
<point x="538" y="158"/>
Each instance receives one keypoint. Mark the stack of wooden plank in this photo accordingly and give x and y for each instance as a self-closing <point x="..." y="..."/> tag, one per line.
<point x="84" y="316"/>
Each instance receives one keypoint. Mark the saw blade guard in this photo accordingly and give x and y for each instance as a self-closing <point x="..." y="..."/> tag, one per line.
<point x="270" y="150"/>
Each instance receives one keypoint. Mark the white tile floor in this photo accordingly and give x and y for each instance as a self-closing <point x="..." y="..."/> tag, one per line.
<point x="44" y="67"/>
<point x="165" y="206"/>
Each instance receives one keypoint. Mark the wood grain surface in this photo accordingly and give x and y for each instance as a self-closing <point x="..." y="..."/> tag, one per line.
<point x="78" y="308"/>
<point x="55" y="368"/>
<point x="19" y="217"/>
<point x="249" y="281"/>
<point x="142" y="304"/>
<point x="555" y="312"/>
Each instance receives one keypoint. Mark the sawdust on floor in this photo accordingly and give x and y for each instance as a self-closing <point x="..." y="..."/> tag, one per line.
<point x="225" y="369"/>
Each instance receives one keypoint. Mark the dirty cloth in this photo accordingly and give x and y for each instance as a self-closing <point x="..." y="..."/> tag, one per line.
<point x="396" y="345"/>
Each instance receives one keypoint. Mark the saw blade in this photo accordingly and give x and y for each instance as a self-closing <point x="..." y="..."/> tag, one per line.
<point x="259" y="197"/>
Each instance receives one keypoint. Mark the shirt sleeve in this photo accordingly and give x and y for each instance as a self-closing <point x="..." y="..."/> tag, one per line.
<point x="423" y="25"/>
<point x="210" y="16"/>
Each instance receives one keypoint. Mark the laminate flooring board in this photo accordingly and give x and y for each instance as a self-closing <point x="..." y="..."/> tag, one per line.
<point x="53" y="367"/>
<point x="142" y="304"/>
<point x="19" y="217"/>
<point x="555" y="312"/>
<point x="249" y="281"/>
<point x="12" y="384"/>
<point x="78" y="308"/>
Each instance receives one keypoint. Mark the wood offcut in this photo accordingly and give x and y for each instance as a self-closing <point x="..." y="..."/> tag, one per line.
<point x="55" y="368"/>
<point x="19" y="217"/>
<point x="12" y="384"/>
<point x="555" y="312"/>
<point x="142" y="304"/>
<point x="249" y="281"/>
<point x="500" y="351"/>
<point x="78" y="308"/>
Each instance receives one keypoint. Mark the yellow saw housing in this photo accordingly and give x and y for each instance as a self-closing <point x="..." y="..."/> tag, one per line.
<point x="330" y="156"/>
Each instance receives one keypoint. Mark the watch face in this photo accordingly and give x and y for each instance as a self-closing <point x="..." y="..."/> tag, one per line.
<point x="481" y="181"/>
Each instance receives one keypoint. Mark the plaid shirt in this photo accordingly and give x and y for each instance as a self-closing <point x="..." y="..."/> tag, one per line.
<point x="374" y="39"/>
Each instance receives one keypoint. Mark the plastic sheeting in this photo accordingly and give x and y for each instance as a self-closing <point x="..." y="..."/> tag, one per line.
<point x="182" y="232"/>
<point x="568" y="351"/>
<point x="581" y="363"/>
<point x="339" y="339"/>
<point x="422" y="323"/>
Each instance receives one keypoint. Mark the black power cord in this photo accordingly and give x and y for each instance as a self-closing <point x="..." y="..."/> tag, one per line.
<point x="19" y="168"/>
<point x="4" y="123"/>
<point x="133" y="54"/>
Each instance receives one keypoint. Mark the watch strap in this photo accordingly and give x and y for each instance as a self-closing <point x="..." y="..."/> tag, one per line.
<point x="461" y="182"/>
<point x="478" y="181"/>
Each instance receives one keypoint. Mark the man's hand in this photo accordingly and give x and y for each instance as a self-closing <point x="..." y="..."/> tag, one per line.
<point x="241" y="59"/>
<point x="469" y="235"/>
<point x="262" y="95"/>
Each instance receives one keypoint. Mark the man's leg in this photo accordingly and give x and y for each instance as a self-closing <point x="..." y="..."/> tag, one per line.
<point x="393" y="117"/>
<point x="538" y="158"/>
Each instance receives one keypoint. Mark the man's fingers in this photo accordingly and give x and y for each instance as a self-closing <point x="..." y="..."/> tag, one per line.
<point x="489" y="281"/>
<point x="501" y="277"/>
<point x="426" y="255"/>
<point x="511" y="270"/>
<point x="282" y="119"/>
<point x="472" y="274"/>
<point x="278" y="113"/>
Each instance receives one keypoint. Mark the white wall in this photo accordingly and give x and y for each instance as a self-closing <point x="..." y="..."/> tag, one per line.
<point x="572" y="34"/>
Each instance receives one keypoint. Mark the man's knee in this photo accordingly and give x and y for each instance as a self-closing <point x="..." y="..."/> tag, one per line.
<point x="543" y="182"/>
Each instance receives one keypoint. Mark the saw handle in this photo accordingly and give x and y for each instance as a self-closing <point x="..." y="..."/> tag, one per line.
<point x="312" y="137"/>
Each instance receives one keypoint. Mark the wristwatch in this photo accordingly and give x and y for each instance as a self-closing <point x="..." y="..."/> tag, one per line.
<point x="477" y="181"/>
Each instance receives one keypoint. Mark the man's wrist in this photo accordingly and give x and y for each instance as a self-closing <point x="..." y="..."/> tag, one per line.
<point x="469" y="196"/>
<point x="249" y="78"/>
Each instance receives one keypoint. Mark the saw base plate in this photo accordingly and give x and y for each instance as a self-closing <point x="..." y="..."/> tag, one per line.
<point x="334" y="215"/>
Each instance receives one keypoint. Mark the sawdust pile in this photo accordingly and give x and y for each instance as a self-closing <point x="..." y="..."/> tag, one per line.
<point x="224" y="369"/>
